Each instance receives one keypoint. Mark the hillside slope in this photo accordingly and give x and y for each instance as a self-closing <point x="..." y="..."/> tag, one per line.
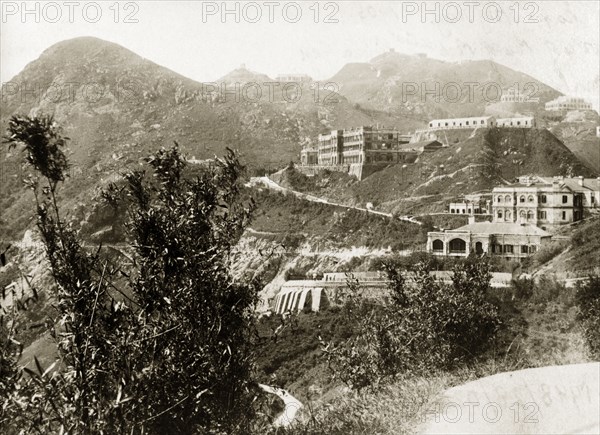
<point x="581" y="139"/>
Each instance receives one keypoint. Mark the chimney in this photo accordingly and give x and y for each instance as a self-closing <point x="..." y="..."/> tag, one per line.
<point x="580" y="181"/>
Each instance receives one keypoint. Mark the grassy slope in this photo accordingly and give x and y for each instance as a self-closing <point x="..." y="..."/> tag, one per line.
<point x="340" y="227"/>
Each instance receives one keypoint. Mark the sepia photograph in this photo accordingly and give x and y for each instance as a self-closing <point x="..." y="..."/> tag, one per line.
<point x="300" y="217"/>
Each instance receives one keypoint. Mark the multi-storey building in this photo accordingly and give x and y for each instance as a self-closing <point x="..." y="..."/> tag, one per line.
<point x="371" y="145"/>
<point x="568" y="103"/>
<point x="363" y="150"/>
<point x="330" y="148"/>
<point x="545" y="201"/>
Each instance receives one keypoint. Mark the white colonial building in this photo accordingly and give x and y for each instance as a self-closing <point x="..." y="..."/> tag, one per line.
<point x="568" y="103"/>
<point x="508" y="240"/>
<point x="482" y="122"/>
<point x="546" y="201"/>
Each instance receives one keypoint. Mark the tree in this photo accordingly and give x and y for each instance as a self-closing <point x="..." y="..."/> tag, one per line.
<point x="427" y="325"/>
<point x="165" y="350"/>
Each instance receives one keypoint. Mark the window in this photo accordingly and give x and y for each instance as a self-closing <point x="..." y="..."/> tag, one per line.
<point x="593" y="199"/>
<point x="522" y="198"/>
<point x="524" y="249"/>
<point x="565" y="199"/>
<point x="458" y="246"/>
<point x="438" y="246"/>
<point x="530" y="198"/>
<point x="508" y="249"/>
<point x="542" y="215"/>
<point x="507" y="198"/>
<point x="499" y="199"/>
<point x="499" y="214"/>
<point x="467" y="123"/>
<point x="564" y="215"/>
<point x="543" y="199"/>
<point x="482" y="121"/>
<point x="529" y="215"/>
<point x="532" y="249"/>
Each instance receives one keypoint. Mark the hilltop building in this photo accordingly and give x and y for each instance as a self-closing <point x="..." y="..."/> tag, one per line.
<point x="546" y="201"/>
<point x="513" y="95"/>
<point x="293" y="78"/>
<point x="481" y="122"/>
<point x="568" y="103"/>
<point x="518" y="122"/>
<point x="453" y="123"/>
<point x="370" y="145"/>
<point x="361" y="151"/>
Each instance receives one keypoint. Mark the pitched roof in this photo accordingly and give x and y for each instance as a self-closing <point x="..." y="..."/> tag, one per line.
<point x="564" y="183"/>
<point x="502" y="228"/>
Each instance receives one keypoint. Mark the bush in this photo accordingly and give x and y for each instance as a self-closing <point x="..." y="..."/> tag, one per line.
<point x="523" y="288"/>
<point x="588" y="302"/>
<point x="428" y="325"/>
<point x="548" y="289"/>
<point x="167" y="350"/>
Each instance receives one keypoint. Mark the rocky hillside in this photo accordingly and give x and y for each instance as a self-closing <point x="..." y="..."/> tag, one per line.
<point x="117" y="107"/>
<point x="384" y="83"/>
<point x="578" y="132"/>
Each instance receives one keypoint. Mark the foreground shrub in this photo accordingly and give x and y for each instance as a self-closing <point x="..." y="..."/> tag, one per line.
<point x="162" y="347"/>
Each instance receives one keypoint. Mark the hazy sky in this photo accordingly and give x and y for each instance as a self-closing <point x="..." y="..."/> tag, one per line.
<point x="556" y="42"/>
